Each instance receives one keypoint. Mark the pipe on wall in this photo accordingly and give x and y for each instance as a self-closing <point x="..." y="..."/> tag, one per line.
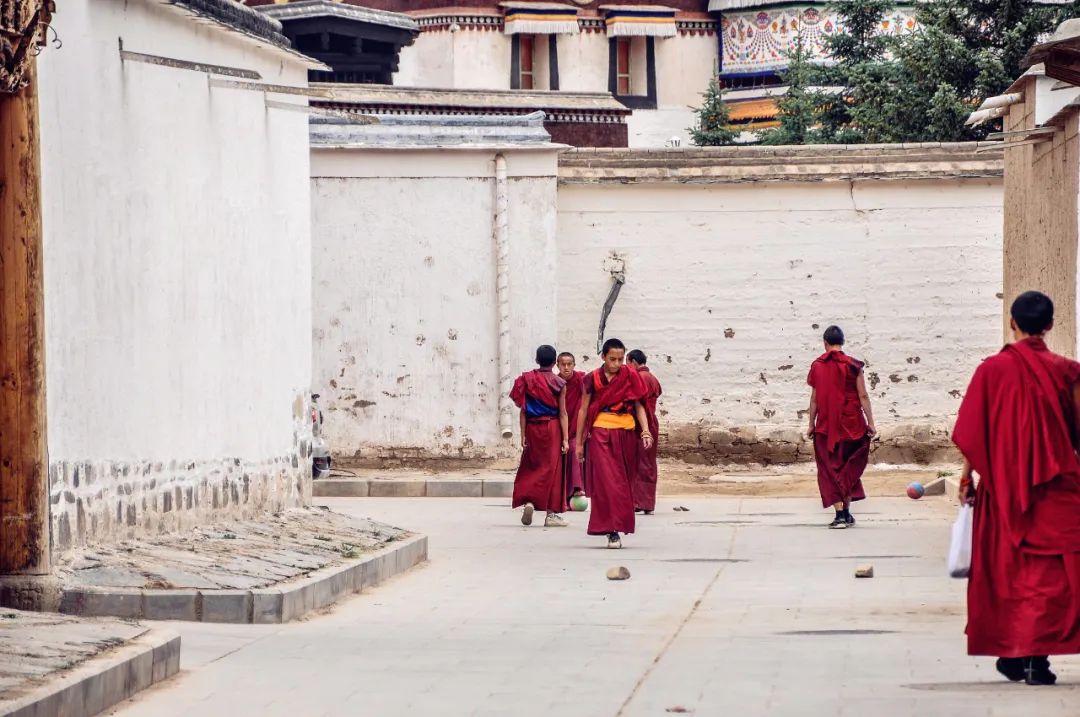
<point x="502" y="295"/>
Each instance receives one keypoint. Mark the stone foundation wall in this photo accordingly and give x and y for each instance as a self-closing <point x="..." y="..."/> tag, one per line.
<point x="769" y="445"/>
<point x="96" y="501"/>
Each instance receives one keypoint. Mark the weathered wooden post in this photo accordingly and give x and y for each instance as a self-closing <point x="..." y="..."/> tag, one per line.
<point x="24" y="467"/>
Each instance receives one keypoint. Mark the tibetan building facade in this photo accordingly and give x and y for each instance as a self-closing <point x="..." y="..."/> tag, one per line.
<point x="570" y="59"/>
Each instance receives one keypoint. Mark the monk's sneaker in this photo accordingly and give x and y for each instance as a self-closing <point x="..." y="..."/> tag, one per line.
<point x="613" y="541"/>
<point x="526" y="515"/>
<point x="554" y="520"/>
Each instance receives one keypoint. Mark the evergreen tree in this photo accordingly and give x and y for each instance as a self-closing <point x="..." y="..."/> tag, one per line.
<point x="713" y="123"/>
<point x="860" y="104"/>
<point x="797" y="109"/>
<point x="962" y="52"/>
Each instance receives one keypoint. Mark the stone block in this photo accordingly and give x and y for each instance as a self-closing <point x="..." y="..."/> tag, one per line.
<point x="686" y="435"/>
<point x="455" y="488"/>
<point x="166" y="659"/>
<point x="297" y="600"/>
<point x="718" y="437"/>
<point x="226" y="606"/>
<point x="171" y="605"/>
<point x="397" y="488"/>
<point x="266" y="606"/>
<point x="498" y="488"/>
<point x="116" y="679"/>
<point x="340" y="488"/>
<point x="140" y="672"/>
<point x="369" y="575"/>
<point x="786" y="435"/>
<point x="102" y="603"/>
<point x="92" y="690"/>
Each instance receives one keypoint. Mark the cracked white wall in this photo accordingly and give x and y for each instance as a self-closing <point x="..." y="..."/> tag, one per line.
<point x="729" y="287"/>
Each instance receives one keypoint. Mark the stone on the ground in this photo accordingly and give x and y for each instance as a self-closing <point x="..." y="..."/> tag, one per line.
<point x="618" y="573"/>
<point x="864" y="571"/>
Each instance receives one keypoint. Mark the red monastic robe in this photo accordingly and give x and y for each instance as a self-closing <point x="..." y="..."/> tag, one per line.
<point x="611" y="455"/>
<point x="539" y="477"/>
<point x="646" y="474"/>
<point x="841" y="444"/>
<point x="573" y="471"/>
<point x="1017" y="429"/>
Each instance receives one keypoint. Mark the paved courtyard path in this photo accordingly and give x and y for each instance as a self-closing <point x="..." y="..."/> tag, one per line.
<point x="741" y="606"/>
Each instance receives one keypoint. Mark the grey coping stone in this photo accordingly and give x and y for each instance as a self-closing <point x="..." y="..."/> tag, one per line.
<point x="284" y="603"/>
<point x="500" y="488"/>
<point x="266" y="606"/>
<point x="101" y="681"/>
<point x="101" y="603"/>
<point x="171" y="605"/>
<point x="455" y="488"/>
<point x="343" y="488"/>
<point x="397" y="489"/>
<point x="226" y="605"/>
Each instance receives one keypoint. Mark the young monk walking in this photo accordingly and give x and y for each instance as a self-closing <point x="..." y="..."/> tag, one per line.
<point x="573" y="473"/>
<point x="646" y="474"/>
<point x="841" y="426"/>
<point x="1017" y="429"/>
<point x="541" y="397"/>
<point x="611" y="410"/>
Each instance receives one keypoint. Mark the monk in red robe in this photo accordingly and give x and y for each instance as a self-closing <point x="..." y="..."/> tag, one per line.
<point x="1017" y="429"/>
<point x="841" y="426"/>
<point x="646" y="475"/>
<point x="607" y="441"/>
<point x="541" y="397"/>
<point x="573" y="471"/>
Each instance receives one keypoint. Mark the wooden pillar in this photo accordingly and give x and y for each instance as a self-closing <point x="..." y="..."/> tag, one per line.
<point x="24" y="490"/>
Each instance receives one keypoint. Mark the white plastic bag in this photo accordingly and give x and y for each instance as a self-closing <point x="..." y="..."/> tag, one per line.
<point x="960" y="547"/>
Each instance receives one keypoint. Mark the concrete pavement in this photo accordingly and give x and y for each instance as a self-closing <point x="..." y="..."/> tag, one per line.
<point x="741" y="606"/>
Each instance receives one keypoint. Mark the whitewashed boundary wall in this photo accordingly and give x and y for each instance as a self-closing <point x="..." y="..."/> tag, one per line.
<point x="406" y="333"/>
<point x="178" y="275"/>
<point x="737" y="259"/>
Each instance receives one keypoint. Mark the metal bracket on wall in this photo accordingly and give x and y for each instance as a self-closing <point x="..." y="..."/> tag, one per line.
<point x="617" y="280"/>
<point x="129" y="56"/>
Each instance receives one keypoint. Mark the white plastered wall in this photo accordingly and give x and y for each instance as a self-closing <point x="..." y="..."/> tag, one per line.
<point x="729" y="288"/>
<point x="583" y="62"/>
<point x="684" y="66"/>
<point x="406" y="330"/>
<point x="178" y="275"/>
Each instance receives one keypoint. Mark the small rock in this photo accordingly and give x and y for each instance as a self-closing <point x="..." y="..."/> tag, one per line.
<point x="864" y="571"/>
<point x="619" y="573"/>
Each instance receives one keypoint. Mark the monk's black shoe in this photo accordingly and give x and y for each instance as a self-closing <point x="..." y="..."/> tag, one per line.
<point x="1011" y="667"/>
<point x="840" y="523"/>
<point x="849" y="518"/>
<point x="1037" y="671"/>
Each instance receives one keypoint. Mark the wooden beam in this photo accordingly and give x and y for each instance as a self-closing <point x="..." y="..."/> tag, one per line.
<point x="24" y="470"/>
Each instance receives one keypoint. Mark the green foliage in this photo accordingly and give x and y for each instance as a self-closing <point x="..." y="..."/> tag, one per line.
<point x="712" y="128"/>
<point x="917" y="86"/>
<point x="799" y="108"/>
